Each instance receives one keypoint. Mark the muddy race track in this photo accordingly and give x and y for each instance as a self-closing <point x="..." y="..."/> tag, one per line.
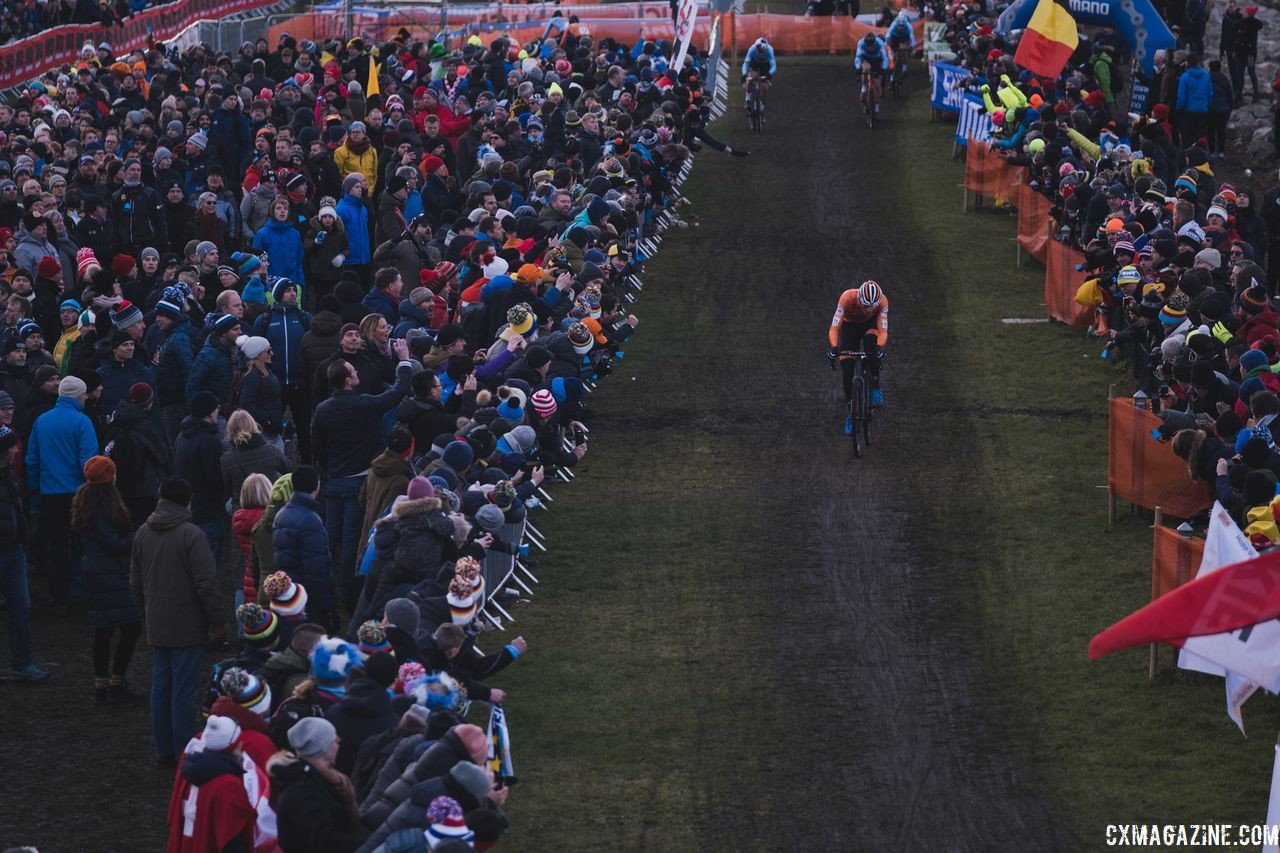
<point x="871" y="726"/>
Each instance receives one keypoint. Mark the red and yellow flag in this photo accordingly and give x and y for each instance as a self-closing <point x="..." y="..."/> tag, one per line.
<point x="1049" y="40"/>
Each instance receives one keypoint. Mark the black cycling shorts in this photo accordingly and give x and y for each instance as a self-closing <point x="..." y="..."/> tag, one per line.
<point x="761" y="68"/>
<point x="854" y="336"/>
<point x="877" y="64"/>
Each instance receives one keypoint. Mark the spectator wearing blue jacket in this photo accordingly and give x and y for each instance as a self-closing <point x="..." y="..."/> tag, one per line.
<point x="284" y="325"/>
<point x="282" y="242"/>
<point x="214" y="367"/>
<point x="354" y="214"/>
<point x="1195" y="93"/>
<point x="62" y="440"/>
<point x="301" y="547"/>
<point x="384" y="299"/>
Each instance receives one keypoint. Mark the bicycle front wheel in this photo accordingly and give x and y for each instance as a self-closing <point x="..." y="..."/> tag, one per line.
<point x="858" y="411"/>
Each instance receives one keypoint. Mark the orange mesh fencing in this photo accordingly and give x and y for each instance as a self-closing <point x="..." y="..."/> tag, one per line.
<point x="1175" y="559"/>
<point x="987" y="173"/>
<point x="787" y="33"/>
<point x="1061" y="281"/>
<point x="1145" y="472"/>
<point x="1033" y="218"/>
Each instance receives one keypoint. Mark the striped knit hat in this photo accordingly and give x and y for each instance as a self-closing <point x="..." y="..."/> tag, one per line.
<point x="544" y="403"/>
<point x="248" y="691"/>
<point x="447" y="823"/>
<point x="260" y="624"/>
<point x="371" y="639"/>
<point x="288" y="599"/>
<point x="85" y="261"/>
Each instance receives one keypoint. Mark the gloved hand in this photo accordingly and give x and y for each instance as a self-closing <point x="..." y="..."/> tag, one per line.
<point x="320" y="235"/>
<point x="338" y="259"/>
<point x="1221" y="332"/>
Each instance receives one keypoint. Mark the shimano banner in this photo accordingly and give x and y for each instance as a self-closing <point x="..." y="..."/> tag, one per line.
<point x="948" y="86"/>
<point x="1136" y="20"/>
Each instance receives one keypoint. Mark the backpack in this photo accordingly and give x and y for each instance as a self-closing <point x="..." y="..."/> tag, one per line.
<point x="213" y="692"/>
<point x="1117" y="81"/>
<point x="290" y="711"/>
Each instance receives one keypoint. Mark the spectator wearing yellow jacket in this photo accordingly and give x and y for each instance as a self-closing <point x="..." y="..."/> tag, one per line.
<point x="356" y="154"/>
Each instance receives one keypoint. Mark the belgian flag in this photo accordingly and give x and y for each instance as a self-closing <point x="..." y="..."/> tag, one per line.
<point x="1049" y="40"/>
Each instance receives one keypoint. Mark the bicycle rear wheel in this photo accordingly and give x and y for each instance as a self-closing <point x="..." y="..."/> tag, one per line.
<point x="858" y="410"/>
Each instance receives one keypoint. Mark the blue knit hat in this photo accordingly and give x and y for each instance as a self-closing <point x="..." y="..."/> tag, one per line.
<point x="254" y="293"/>
<point x="1251" y="360"/>
<point x="281" y="285"/>
<point x="567" y="388"/>
<point x="248" y="263"/>
<point x="331" y="660"/>
<point x="458" y="455"/>
<point x="511" y="410"/>
<point x="70" y="305"/>
<point x="221" y="323"/>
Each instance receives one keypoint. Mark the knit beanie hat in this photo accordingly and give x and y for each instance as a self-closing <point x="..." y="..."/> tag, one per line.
<point x="503" y="495"/>
<point x="580" y="338"/>
<point x="331" y="660"/>
<point x="421" y="296"/>
<point x="1252" y="359"/>
<point x="248" y="690"/>
<point x="281" y="285"/>
<point x="544" y="403"/>
<point x="125" y="315"/>
<point x="311" y="737"/>
<point x="251" y="346"/>
<point x="220" y="324"/>
<point x="489" y="518"/>
<point x="370" y="639"/>
<point x="509" y="409"/>
<point x="404" y="614"/>
<point x="520" y="318"/>
<point x="420" y="487"/>
<point x="220" y="733"/>
<point x="458" y="455"/>
<point x="288" y="598"/>
<point x="1254" y="299"/>
<point x="447" y="823"/>
<point x="72" y="386"/>
<point x="123" y="264"/>
<point x="86" y="260"/>
<point x="260" y="624"/>
<point x="99" y="470"/>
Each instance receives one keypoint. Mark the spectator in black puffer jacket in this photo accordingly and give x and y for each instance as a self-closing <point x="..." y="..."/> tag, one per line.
<point x="411" y="542"/>
<point x="315" y="804"/>
<point x="302" y="547"/>
<point x="196" y="457"/>
<point x="365" y="711"/>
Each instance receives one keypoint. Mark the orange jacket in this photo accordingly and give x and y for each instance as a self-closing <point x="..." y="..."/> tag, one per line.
<point x="850" y="310"/>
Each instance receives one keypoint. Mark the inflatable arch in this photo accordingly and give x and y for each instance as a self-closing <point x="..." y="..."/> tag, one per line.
<point x="1136" y="20"/>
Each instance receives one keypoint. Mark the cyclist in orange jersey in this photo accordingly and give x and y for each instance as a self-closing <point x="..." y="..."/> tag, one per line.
<point x="860" y="324"/>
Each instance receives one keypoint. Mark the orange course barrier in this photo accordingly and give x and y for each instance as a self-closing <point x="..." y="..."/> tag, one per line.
<point x="787" y="33"/>
<point x="1174" y="560"/>
<point x="1061" y="281"/>
<point x="1033" y="219"/>
<point x="1145" y="472"/>
<point x="987" y="173"/>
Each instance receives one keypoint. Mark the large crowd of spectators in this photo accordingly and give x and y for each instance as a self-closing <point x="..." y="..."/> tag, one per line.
<point x="22" y="18"/>
<point x="1182" y="266"/>
<point x="284" y="362"/>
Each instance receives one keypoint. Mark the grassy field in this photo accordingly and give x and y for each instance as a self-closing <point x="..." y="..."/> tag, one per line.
<point x="643" y="719"/>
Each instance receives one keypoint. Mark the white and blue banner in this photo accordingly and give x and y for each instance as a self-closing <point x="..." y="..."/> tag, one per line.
<point x="948" y="86"/>
<point x="974" y="123"/>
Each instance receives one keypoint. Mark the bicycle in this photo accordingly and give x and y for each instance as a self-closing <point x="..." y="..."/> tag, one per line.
<point x="859" y="406"/>
<point x="757" y="86"/>
<point x="900" y="57"/>
<point x="869" y="99"/>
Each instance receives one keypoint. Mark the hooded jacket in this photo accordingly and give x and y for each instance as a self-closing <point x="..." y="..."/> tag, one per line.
<point x="355" y="218"/>
<point x="426" y="419"/>
<point x="197" y="455"/>
<point x="177" y="355"/>
<point x="310" y="815"/>
<point x="389" y="476"/>
<point x="173" y="579"/>
<point x="285" y="326"/>
<point x="62" y="440"/>
<point x="411" y="543"/>
<point x="283" y="244"/>
<point x="213" y="370"/>
<point x="139" y="450"/>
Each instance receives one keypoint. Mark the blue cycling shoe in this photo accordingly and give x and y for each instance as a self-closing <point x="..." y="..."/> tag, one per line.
<point x="877" y="397"/>
<point x="848" y="425"/>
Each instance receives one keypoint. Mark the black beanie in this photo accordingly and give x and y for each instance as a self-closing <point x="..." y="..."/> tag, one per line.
<point x="176" y="490"/>
<point x="1259" y="488"/>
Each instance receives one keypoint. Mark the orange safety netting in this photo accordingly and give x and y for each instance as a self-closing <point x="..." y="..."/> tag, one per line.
<point x="1144" y="471"/>
<point x="1174" y="560"/>
<point x="1061" y="281"/>
<point x="987" y="173"/>
<point x="1033" y="218"/>
<point x="787" y="33"/>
